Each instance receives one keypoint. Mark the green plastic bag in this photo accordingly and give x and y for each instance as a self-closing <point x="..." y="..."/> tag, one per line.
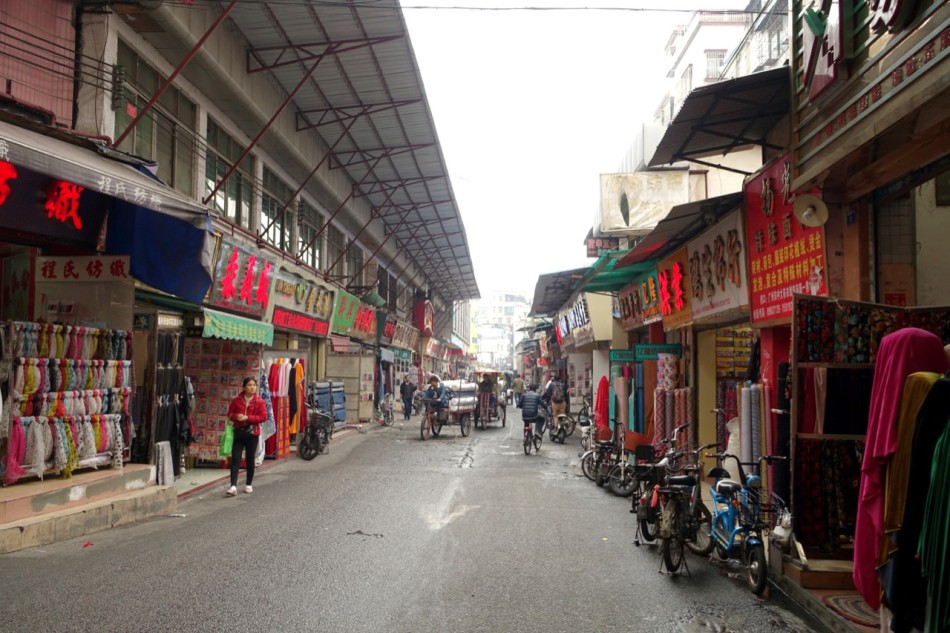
<point x="227" y="442"/>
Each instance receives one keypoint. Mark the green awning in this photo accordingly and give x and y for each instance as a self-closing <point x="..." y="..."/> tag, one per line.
<point x="235" y="328"/>
<point x="608" y="277"/>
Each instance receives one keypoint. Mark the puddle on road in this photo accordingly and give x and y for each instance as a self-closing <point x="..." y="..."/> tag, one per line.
<point x="437" y="523"/>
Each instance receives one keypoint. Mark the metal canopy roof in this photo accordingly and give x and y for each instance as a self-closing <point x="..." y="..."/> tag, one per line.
<point x="352" y="74"/>
<point x="684" y="222"/>
<point x="554" y="289"/>
<point x="721" y="117"/>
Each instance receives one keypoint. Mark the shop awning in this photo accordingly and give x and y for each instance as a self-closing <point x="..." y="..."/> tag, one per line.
<point x="235" y="328"/>
<point x="554" y="289"/>
<point x="684" y="222"/>
<point x="609" y="276"/>
<point x="720" y="117"/>
<point x="167" y="235"/>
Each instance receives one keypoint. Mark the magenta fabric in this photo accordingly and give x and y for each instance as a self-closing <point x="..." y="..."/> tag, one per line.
<point x="901" y="353"/>
<point x="602" y="406"/>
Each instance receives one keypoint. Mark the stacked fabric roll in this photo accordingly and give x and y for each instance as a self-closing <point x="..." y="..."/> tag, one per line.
<point x="667" y="371"/>
<point x="659" y="414"/>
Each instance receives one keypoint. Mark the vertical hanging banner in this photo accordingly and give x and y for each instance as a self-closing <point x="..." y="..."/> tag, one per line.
<point x="717" y="271"/>
<point x="673" y="285"/>
<point x="785" y="257"/>
<point x="242" y="280"/>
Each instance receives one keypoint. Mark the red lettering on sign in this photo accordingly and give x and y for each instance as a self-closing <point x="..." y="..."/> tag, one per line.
<point x="7" y="172"/>
<point x="69" y="270"/>
<point x="48" y="271"/>
<point x="677" y="284"/>
<point x="230" y="275"/>
<point x="117" y="269"/>
<point x="665" y="297"/>
<point x="62" y="202"/>
<point x="263" y="283"/>
<point x="94" y="268"/>
<point x="248" y="283"/>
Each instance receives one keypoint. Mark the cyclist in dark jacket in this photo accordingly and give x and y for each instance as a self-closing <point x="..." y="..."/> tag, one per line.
<point x="531" y="409"/>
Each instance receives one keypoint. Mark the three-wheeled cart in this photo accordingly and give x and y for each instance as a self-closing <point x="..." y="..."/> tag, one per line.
<point x="461" y="406"/>
<point x="491" y="404"/>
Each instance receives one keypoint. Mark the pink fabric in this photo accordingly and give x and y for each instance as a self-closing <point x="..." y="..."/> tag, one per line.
<point x="16" y="451"/>
<point x="901" y="353"/>
<point x="602" y="406"/>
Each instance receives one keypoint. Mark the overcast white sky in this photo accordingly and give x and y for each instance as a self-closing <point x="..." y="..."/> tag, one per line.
<point x="531" y="107"/>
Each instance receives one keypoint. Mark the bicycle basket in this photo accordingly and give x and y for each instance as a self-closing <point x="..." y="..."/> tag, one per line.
<point x="751" y="508"/>
<point x="320" y="419"/>
<point x="774" y="512"/>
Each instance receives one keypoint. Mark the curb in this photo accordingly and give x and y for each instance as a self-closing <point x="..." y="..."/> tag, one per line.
<point x="339" y="435"/>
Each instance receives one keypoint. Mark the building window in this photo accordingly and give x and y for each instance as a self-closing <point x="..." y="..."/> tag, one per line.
<point x="336" y="242"/>
<point x="276" y="217"/>
<point x="354" y="264"/>
<point x="308" y="228"/>
<point x="166" y="134"/>
<point x="233" y="199"/>
<point x="714" y="61"/>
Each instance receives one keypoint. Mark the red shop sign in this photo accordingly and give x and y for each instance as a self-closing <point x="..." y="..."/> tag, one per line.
<point x="785" y="257"/>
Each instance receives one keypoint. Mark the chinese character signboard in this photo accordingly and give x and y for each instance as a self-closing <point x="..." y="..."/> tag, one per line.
<point x="785" y="257"/>
<point x="673" y="286"/>
<point x="302" y="306"/>
<point x="33" y="203"/>
<point x="364" y="325"/>
<point x="389" y="330"/>
<point x="597" y="246"/>
<point x="406" y="336"/>
<point x="562" y="330"/>
<point x="629" y="298"/>
<point x="717" y="274"/>
<point x="634" y="203"/>
<point x="96" y="291"/>
<point x="344" y="314"/>
<point x="651" y="351"/>
<point x="640" y="302"/>
<point x="242" y="280"/>
<point x="424" y="317"/>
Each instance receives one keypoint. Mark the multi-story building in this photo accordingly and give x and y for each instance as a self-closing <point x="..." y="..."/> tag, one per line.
<point x="500" y="317"/>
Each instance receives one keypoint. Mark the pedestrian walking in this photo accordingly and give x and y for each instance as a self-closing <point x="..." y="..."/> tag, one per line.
<point x="247" y="412"/>
<point x="517" y="385"/>
<point x="406" y="390"/>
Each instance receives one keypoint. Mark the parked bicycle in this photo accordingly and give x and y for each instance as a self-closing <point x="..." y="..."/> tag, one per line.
<point x="385" y="414"/>
<point x="742" y="517"/>
<point x="316" y="436"/>
<point x="685" y="521"/>
<point x="572" y="420"/>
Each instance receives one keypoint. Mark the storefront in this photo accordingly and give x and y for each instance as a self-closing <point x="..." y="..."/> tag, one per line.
<point x="70" y="387"/>
<point x="872" y="150"/>
<point x="350" y="361"/>
<point x="75" y="233"/>
<point x="719" y="293"/>
<point x="301" y="312"/>
<point x="223" y="348"/>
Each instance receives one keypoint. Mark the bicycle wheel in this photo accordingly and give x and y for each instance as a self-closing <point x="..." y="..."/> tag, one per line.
<point x="306" y="448"/>
<point x="504" y="416"/>
<point x="388" y="418"/>
<point x="588" y="465"/>
<point x="620" y="480"/>
<point x="465" y="423"/>
<point x="323" y="441"/>
<point x="758" y="572"/>
<point x="672" y="548"/>
<point x="571" y="425"/>
<point x="424" y="429"/>
<point x="436" y="428"/>
<point x="537" y="443"/>
<point x="703" y="544"/>
<point x="527" y="443"/>
<point x="648" y="524"/>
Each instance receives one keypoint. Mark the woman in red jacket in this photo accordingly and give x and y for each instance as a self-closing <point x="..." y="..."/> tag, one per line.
<point x="247" y="412"/>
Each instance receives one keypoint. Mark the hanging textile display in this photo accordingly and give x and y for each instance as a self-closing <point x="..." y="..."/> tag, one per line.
<point x="69" y="399"/>
<point x="745" y="424"/>
<point x="219" y="367"/>
<point x="756" y="416"/>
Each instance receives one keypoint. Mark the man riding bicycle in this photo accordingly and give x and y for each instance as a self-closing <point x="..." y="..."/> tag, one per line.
<point x="532" y="407"/>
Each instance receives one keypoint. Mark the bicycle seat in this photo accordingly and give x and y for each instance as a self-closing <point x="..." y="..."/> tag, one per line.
<point x="682" y="480"/>
<point x="727" y="487"/>
<point x="605" y="444"/>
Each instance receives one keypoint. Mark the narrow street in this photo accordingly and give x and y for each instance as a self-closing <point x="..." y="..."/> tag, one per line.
<point x="386" y="533"/>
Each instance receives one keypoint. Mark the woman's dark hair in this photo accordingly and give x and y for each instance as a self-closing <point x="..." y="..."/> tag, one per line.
<point x="247" y="380"/>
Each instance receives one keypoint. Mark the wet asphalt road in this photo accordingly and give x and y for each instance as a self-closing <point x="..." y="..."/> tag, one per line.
<point x="385" y="534"/>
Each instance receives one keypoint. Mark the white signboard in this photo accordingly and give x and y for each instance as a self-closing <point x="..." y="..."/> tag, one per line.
<point x="717" y="270"/>
<point x="633" y="204"/>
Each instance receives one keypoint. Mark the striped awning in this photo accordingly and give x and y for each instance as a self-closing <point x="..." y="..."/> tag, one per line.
<point x="235" y="328"/>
